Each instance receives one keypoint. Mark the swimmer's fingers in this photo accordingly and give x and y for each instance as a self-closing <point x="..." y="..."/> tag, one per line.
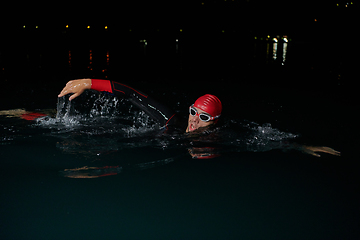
<point x="67" y="89"/>
<point x="66" y="92"/>
<point x="63" y="93"/>
<point x="313" y="150"/>
<point x="330" y="151"/>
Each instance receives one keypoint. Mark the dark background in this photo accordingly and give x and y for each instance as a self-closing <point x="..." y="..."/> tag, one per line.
<point x="218" y="42"/>
<point x="223" y="49"/>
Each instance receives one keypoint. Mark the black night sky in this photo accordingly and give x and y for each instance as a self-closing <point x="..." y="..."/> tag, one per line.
<point x="237" y="16"/>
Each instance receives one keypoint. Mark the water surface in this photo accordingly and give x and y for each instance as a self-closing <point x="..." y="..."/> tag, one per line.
<point x="99" y="168"/>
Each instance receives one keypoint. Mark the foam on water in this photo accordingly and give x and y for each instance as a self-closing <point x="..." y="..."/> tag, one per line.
<point x="97" y="114"/>
<point x="243" y="135"/>
<point x="262" y="135"/>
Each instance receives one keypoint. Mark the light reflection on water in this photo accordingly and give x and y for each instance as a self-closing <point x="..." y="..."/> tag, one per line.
<point x="97" y="59"/>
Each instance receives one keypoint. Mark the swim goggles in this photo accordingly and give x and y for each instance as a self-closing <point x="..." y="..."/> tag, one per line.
<point x="203" y="116"/>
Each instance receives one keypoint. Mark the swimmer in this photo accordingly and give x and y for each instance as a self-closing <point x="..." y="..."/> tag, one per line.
<point x="203" y="114"/>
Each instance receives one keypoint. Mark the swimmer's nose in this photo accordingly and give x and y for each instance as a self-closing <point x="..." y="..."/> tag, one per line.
<point x="194" y="118"/>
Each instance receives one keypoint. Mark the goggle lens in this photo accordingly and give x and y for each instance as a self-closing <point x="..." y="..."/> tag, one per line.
<point x="192" y="112"/>
<point x="204" y="117"/>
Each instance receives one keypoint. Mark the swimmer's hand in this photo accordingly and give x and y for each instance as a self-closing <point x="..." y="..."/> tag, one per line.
<point x="77" y="87"/>
<point x="313" y="150"/>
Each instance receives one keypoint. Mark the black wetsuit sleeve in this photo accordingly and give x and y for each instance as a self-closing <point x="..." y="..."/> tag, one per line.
<point x="153" y="108"/>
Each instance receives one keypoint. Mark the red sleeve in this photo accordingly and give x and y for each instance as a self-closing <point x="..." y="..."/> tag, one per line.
<point x="101" y="85"/>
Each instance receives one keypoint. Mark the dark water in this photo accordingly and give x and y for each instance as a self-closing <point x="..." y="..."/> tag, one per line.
<point x="141" y="184"/>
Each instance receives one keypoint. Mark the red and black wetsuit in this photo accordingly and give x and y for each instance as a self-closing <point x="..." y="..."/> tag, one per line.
<point x="154" y="109"/>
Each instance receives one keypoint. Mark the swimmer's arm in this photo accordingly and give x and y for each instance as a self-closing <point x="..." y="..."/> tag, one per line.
<point x="153" y="108"/>
<point x="315" y="150"/>
<point x="77" y="87"/>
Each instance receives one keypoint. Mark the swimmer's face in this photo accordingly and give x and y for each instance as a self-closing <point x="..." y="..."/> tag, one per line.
<point x="194" y="122"/>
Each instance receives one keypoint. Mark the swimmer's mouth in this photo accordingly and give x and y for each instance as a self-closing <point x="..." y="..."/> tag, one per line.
<point x="191" y="127"/>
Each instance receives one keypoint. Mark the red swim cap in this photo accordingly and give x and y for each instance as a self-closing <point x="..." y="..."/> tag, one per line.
<point x="210" y="104"/>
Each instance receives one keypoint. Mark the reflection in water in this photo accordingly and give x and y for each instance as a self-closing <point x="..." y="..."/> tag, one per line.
<point x="138" y="49"/>
<point x="105" y="69"/>
<point x="107" y="57"/>
<point x="143" y="44"/>
<point x="275" y="50"/>
<point x="90" y="60"/>
<point x="105" y="171"/>
<point x="270" y="51"/>
<point x="177" y="46"/>
<point x="69" y="59"/>
<point x="284" y="52"/>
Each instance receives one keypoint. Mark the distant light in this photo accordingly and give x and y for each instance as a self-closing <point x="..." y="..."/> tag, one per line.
<point x="268" y="36"/>
<point x="337" y="4"/>
<point x="222" y="31"/>
<point x="315" y="20"/>
<point x="36" y="26"/>
<point x="255" y="38"/>
<point x="286" y="40"/>
<point x="67" y="26"/>
<point x="24" y="26"/>
<point x="202" y="3"/>
<point x="275" y="40"/>
<point x="177" y="40"/>
<point x="88" y="26"/>
<point x="106" y="27"/>
<point x="181" y="30"/>
<point x="130" y="30"/>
